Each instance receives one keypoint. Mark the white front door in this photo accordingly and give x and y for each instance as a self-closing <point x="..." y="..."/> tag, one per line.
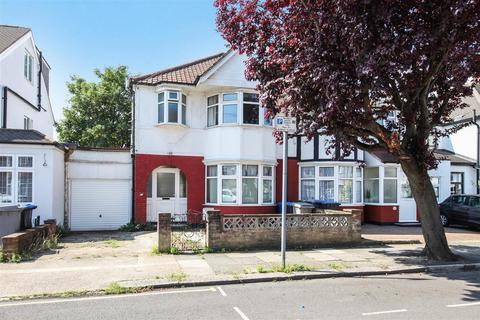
<point x="168" y="193"/>
<point x="408" y="207"/>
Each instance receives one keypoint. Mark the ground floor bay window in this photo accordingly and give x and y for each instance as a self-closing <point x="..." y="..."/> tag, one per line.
<point x="331" y="182"/>
<point x="239" y="184"/>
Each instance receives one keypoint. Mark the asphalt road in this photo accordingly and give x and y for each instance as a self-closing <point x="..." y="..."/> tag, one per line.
<point x="442" y="296"/>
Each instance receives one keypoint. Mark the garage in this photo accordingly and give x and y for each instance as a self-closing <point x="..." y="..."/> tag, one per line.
<point x="98" y="204"/>
<point x="100" y="189"/>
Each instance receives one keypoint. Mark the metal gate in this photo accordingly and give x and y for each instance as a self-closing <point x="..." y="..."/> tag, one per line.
<point x="188" y="232"/>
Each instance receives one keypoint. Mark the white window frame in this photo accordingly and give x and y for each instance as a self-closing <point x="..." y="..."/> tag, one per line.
<point x="180" y="107"/>
<point x="238" y="177"/>
<point x="28" y="67"/>
<point x="240" y="109"/>
<point x="382" y="186"/>
<point x="11" y="170"/>
<point x="335" y="178"/>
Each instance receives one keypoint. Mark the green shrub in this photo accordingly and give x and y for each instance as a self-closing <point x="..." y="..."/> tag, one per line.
<point x="134" y="227"/>
<point x="62" y="232"/>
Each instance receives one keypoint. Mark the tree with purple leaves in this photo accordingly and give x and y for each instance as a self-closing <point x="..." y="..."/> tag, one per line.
<point x="342" y="66"/>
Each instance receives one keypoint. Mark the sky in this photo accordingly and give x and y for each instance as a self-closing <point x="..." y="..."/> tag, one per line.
<point x="78" y="36"/>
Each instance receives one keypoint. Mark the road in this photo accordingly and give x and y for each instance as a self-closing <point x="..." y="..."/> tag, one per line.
<point x="419" y="296"/>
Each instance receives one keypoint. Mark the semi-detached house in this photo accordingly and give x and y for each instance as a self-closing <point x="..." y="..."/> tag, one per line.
<point x="201" y="141"/>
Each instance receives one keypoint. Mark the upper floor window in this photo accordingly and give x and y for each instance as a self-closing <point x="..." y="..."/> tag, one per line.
<point x="235" y="108"/>
<point x="28" y="67"/>
<point x="172" y="107"/>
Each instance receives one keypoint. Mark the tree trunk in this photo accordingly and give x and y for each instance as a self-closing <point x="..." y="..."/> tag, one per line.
<point x="436" y="245"/>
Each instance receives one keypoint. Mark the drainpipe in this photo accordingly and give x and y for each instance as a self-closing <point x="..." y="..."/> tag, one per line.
<point x="478" y="149"/>
<point x="132" y="143"/>
<point x="70" y="148"/>
<point x="39" y="95"/>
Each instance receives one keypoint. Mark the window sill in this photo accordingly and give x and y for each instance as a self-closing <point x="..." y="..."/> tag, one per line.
<point x="239" y="205"/>
<point x="171" y="124"/>
<point x="227" y="125"/>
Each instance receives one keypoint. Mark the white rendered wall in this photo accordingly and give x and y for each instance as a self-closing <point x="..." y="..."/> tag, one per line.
<point x="91" y="164"/>
<point x="11" y="75"/>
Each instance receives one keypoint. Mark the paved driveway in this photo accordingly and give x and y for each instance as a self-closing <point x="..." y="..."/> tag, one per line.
<point x="414" y="233"/>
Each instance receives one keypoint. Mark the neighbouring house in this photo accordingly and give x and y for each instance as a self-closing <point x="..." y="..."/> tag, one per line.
<point x="31" y="163"/>
<point x="200" y="140"/>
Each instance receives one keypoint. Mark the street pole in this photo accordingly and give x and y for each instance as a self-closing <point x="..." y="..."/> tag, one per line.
<point x="284" y="198"/>
<point x="478" y="150"/>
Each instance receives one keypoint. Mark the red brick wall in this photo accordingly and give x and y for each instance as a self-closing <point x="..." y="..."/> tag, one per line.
<point x="192" y="167"/>
<point x="292" y="190"/>
<point x="381" y="214"/>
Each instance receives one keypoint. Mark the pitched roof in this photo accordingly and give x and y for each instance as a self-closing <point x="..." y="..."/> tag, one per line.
<point x="188" y="73"/>
<point x="454" y="158"/>
<point x="472" y="102"/>
<point x="20" y="136"/>
<point x="9" y="35"/>
<point x="440" y="154"/>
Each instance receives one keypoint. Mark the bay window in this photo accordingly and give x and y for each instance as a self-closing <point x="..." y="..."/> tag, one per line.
<point x="241" y="184"/>
<point x="16" y="179"/>
<point x="326" y="186"/>
<point x="390" y="185"/>
<point x="236" y="108"/>
<point x="372" y="185"/>
<point x="172" y="107"/>
<point x="358" y="185"/>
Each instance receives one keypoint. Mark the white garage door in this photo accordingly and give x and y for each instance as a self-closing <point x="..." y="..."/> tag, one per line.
<point x="97" y="204"/>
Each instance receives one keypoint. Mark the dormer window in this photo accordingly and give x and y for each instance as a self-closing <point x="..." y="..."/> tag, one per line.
<point x="172" y="107"/>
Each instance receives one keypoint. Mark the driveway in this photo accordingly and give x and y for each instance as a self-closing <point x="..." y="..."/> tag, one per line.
<point x="455" y="235"/>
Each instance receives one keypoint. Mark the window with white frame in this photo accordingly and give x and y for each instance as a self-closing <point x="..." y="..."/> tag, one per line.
<point x="27" y="123"/>
<point x="345" y="184"/>
<point x="390" y="185"/>
<point x="372" y="185"/>
<point x="405" y="190"/>
<point x="28" y="67"/>
<point x="326" y="184"/>
<point x="172" y="107"/>
<point x="212" y="111"/>
<point x="307" y="183"/>
<point x="456" y="182"/>
<point x="16" y="179"/>
<point x="241" y="184"/>
<point x="236" y="108"/>
<point x="212" y="181"/>
<point x="251" y="108"/>
<point x="6" y="179"/>
<point x="358" y="185"/>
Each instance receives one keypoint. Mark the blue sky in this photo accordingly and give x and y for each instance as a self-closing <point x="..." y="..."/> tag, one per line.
<point x="77" y="36"/>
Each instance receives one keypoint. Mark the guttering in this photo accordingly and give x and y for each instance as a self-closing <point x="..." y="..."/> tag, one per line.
<point x="4" y="122"/>
<point x="23" y="99"/>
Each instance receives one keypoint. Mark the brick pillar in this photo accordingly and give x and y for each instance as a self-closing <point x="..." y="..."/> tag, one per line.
<point x="355" y="223"/>
<point x="214" y="228"/>
<point x="164" y="232"/>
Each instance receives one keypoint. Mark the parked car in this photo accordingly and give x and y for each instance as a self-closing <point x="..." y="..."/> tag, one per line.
<point x="461" y="209"/>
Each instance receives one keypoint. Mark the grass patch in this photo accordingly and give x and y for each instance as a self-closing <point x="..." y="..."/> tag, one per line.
<point x="203" y="250"/>
<point x="155" y="251"/>
<point x="177" y="276"/>
<point x="112" y="243"/>
<point x="289" y="268"/>
<point x="338" y="266"/>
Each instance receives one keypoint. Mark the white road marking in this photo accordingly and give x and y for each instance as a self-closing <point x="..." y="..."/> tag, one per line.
<point x="244" y="317"/>
<point x="154" y="293"/>
<point x="222" y="292"/>
<point x="383" y="312"/>
<point x="463" y="305"/>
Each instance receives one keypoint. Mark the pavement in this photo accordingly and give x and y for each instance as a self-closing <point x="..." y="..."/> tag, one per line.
<point x="431" y="297"/>
<point x="93" y="261"/>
